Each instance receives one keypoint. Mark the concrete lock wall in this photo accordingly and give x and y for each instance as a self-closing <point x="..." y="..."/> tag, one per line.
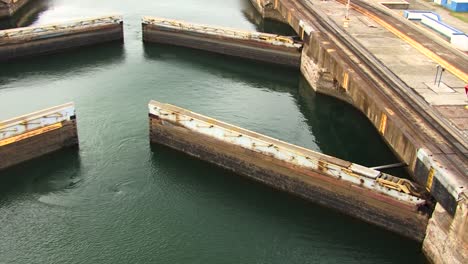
<point x="29" y="41"/>
<point x="10" y="7"/>
<point x="428" y="159"/>
<point x="250" y="45"/>
<point x="350" y="188"/>
<point x="404" y="141"/>
<point x="36" y="134"/>
<point x="321" y="58"/>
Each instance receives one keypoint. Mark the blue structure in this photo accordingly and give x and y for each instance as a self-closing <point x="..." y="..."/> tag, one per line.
<point x="418" y="14"/>
<point x="454" y="5"/>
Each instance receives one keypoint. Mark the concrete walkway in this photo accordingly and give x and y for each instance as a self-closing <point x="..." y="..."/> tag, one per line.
<point x="413" y="67"/>
<point x="444" y="13"/>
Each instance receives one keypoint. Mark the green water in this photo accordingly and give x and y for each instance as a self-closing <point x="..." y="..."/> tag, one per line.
<point x="119" y="200"/>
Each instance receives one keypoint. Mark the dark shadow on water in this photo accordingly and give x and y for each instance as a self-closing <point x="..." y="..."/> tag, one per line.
<point x="343" y="131"/>
<point x="82" y="58"/>
<point x="298" y="215"/>
<point x="267" y="25"/>
<point x="53" y="172"/>
<point x="274" y="27"/>
<point x="256" y="73"/>
<point x="27" y="15"/>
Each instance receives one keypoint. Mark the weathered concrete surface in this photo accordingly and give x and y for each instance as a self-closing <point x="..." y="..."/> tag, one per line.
<point x="334" y="183"/>
<point x="405" y="130"/>
<point x="10" y="7"/>
<point x="433" y="159"/>
<point x="447" y="237"/>
<point x="250" y="45"/>
<point x="29" y="41"/>
<point x="320" y="78"/>
<point x="26" y="15"/>
<point x="31" y="136"/>
<point x="412" y="66"/>
<point x="267" y="9"/>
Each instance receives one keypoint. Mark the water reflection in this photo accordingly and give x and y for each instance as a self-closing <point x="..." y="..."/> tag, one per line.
<point x="41" y="175"/>
<point x="259" y="74"/>
<point x="212" y="189"/>
<point x="59" y="64"/>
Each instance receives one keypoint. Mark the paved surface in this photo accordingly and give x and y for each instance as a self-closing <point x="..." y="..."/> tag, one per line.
<point x="414" y="68"/>
<point x="444" y="13"/>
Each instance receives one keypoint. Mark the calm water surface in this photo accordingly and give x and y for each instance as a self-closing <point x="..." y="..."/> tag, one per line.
<point x="119" y="200"/>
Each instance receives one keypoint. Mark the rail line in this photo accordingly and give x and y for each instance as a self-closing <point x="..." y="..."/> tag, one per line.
<point x="381" y="74"/>
<point x="454" y="61"/>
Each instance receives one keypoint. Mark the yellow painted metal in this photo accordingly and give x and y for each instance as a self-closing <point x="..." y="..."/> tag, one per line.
<point x="345" y="80"/>
<point x="401" y="185"/>
<point x="430" y="179"/>
<point x="383" y="123"/>
<point x="347" y="171"/>
<point x="284" y="39"/>
<point x="277" y="38"/>
<point x="29" y="134"/>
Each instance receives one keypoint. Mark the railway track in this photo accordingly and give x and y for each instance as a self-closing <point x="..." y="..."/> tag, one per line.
<point x="440" y="51"/>
<point x="380" y="74"/>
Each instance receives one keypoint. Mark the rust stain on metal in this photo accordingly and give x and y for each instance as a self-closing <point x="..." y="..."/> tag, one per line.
<point x="322" y="166"/>
<point x="389" y="111"/>
<point x="222" y="31"/>
<point x="297" y="156"/>
<point x="353" y="189"/>
<point x="54" y="29"/>
<point x="271" y="48"/>
<point x="39" y="119"/>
